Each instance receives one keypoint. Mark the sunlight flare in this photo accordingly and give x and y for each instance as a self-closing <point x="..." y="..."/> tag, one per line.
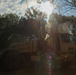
<point x="46" y="7"/>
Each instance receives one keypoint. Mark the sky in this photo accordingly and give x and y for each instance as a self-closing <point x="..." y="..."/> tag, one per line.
<point x="19" y="7"/>
<point x="13" y="6"/>
<point x="65" y="8"/>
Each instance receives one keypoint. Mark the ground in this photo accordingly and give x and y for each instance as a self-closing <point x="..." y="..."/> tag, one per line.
<point x="36" y="71"/>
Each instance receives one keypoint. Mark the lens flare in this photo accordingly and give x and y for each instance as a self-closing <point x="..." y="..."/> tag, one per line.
<point x="46" y="7"/>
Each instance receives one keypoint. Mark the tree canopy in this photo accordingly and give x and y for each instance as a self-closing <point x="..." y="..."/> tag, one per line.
<point x="12" y="25"/>
<point x="33" y="24"/>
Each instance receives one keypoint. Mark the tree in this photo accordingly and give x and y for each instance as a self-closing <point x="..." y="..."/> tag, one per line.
<point x="8" y="26"/>
<point x="71" y="3"/>
<point x="36" y="21"/>
<point x="36" y="24"/>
